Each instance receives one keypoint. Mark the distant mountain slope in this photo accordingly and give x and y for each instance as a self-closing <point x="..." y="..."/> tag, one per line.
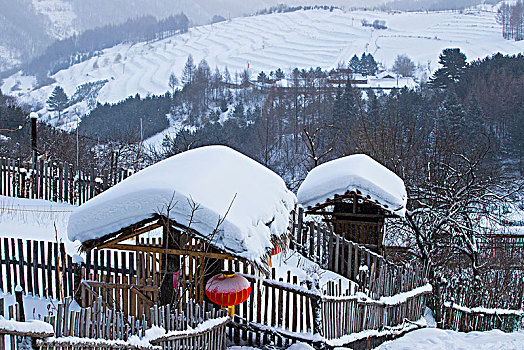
<point x="28" y="26"/>
<point x="298" y="39"/>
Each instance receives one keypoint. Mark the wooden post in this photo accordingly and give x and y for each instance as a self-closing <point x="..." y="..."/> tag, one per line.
<point x="20" y="300"/>
<point x="34" y="155"/>
<point x="316" y="306"/>
<point x="2" y="337"/>
<point x="79" y="274"/>
<point x="170" y="264"/>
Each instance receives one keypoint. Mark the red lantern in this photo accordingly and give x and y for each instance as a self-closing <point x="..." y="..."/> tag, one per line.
<point x="228" y="289"/>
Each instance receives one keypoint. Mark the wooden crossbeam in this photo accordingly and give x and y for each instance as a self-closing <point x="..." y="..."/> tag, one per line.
<point x="128" y="235"/>
<point x="355" y="215"/>
<point x="153" y="249"/>
<point x="137" y="291"/>
<point x="96" y="284"/>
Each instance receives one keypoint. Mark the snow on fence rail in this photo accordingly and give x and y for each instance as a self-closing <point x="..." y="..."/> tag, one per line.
<point x="324" y="318"/>
<point x="210" y="334"/>
<point x="466" y="319"/>
<point x="55" y="181"/>
<point x="104" y="328"/>
<point x="353" y="261"/>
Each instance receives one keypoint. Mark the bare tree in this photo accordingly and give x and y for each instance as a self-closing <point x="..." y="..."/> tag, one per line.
<point x="404" y="66"/>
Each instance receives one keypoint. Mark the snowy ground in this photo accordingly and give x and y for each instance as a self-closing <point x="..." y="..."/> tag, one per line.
<point x="299" y="39"/>
<point x="437" y="339"/>
<point x="36" y="219"/>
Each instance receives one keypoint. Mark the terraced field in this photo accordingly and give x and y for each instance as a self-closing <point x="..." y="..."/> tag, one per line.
<point x="299" y="39"/>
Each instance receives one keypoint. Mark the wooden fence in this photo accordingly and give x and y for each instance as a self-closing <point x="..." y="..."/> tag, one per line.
<point x="55" y="181"/>
<point x="206" y="338"/>
<point x="282" y="312"/>
<point x="464" y="319"/>
<point x="127" y="281"/>
<point x="40" y="268"/>
<point x="192" y="327"/>
<point x="354" y="261"/>
<point x="344" y="315"/>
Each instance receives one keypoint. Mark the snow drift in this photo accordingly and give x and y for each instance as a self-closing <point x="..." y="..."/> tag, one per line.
<point x="359" y="173"/>
<point x="201" y="189"/>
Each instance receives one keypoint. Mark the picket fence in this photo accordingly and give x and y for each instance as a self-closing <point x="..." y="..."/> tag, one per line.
<point x="101" y="328"/>
<point x="55" y="181"/>
<point x="125" y="280"/>
<point x="464" y="319"/>
<point x="372" y="271"/>
<point x="283" y="310"/>
<point x="40" y="268"/>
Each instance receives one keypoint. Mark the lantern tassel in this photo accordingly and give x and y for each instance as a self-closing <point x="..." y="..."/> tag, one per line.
<point x="231" y="310"/>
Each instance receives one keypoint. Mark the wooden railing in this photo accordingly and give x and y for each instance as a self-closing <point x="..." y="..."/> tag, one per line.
<point x="209" y="335"/>
<point x="270" y="314"/>
<point x="353" y="261"/>
<point x="345" y="315"/>
<point x="464" y="319"/>
<point x="55" y="181"/>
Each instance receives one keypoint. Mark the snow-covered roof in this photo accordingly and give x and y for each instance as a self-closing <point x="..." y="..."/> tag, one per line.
<point x="359" y="173"/>
<point x="217" y="179"/>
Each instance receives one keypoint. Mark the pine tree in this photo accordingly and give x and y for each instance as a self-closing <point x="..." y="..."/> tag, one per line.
<point x="189" y="71"/>
<point x="354" y="64"/>
<point x="453" y="66"/>
<point x="57" y="101"/>
<point x="279" y="74"/>
<point x="262" y="78"/>
<point x="364" y="65"/>
<point x="452" y="117"/>
<point x="227" y="75"/>
<point x="173" y="83"/>
<point x="372" y="65"/>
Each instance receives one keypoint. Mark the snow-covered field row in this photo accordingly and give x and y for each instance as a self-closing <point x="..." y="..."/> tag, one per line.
<point x="36" y="219"/>
<point x="299" y="39"/>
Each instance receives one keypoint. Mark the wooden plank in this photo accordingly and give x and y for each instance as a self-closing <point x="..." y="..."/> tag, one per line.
<point x="128" y="234"/>
<point x="280" y="317"/>
<point x="2" y="176"/>
<point x="70" y="278"/>
<point x="58" y="279"/>
<point x="21" y="264"/>
<point x="52" y="261"/>
<point x="43" y="269"/>
<point x="60" y="196"/>
<point x="2" y="262"/>
<point x="7" y="259"/>
<point x="349" y="261"/>
<point x="336" y="267"/>
<point x="160" y="250"/>
<point x="30" y="279"/>
<point x="312" y="241"/>
<point x="125" y="280"/>
<point x="295" y="307"/>
<point x="66" y="182"/>
<point x="299" y="229"/>
<point x="35" y="269"/>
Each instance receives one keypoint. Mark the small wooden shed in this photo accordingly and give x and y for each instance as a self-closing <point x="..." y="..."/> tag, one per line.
<point x="355" y="195"/>
<point x="198" y="208"/>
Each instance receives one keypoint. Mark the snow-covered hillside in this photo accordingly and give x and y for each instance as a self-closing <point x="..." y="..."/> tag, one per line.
<point x="60" y="17"/>
<point x="298" y="39"/>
